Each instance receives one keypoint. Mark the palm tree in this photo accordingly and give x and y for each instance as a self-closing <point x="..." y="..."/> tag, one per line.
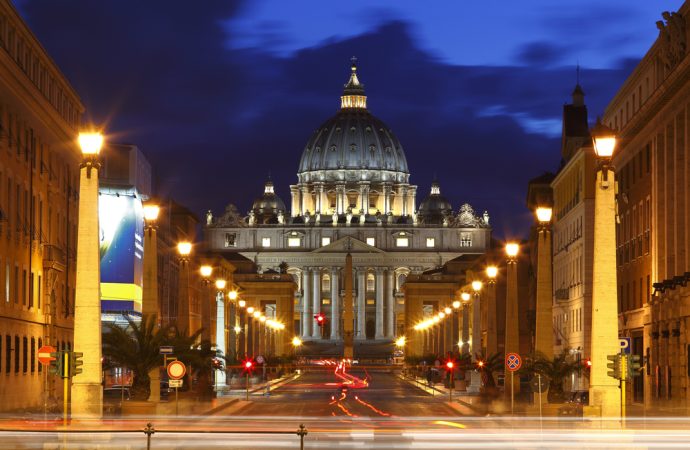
<point x="201" y="358"/>
<point x="136" y="347"/>
<point x="556" y="370"/>
<point x="487" y="367"/>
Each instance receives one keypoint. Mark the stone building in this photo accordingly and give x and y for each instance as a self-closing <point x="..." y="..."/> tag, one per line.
<point x="353" y="196"/>
<point x="651" y="113"/>
<point x="39" y="180"/>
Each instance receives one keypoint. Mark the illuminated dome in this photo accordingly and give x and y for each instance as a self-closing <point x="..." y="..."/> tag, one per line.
<point x="353" y="145"/>
<point x="435" y="207"/>
<point x="269" y="205"/>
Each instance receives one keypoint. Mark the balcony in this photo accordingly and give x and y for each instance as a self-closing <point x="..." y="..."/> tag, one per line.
<point x="562" y="294"/>
<point x="53" y="258"/>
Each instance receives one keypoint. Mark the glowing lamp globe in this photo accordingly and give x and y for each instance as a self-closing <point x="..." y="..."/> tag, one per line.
<point x="206" y="271"/>
<point x="237" y="329"/>
<point x="476" y="285"/>
<point x="296" y="341"/>
<point x="447" y="310"/>
<point x="512" y="249"/>
<point x="250" y="310"/>
<point x="492" y="272"/>
<point x="151" y="211"/>
<point x="604" y="139"/>
<point x="220" y="284"/>
<point x="90" y="143"/>
<point x="184" y="248"/>
<point x="465" y="296"/>
<point x="544" y="214"/>
<point x="456" y="304"/>
<point x="242" y="303"/>
<point x="232" y="295"/>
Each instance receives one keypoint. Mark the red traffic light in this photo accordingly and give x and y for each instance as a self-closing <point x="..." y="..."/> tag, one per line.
<point x="320" y="318"/>
<point x="450" y="365"/>
<point x="588" y="363"/>
<point x="248" y="365"/>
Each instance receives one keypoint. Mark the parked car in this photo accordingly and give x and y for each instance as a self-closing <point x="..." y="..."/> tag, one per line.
<point x="574" y="406"/>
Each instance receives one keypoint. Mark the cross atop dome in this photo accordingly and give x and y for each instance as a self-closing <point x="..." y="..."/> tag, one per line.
<point x="353" y="95"/>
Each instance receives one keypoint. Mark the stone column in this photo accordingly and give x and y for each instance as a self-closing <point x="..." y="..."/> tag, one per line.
<point x="318" y="188"/>
<point x="335" y="304"/>
<point x="220" y="334"/>
<point x="87" y="392"/>
<point x="476" y="326"/>
<point x="316" y="302"/>
<point x="306" y="302"/>
<point x="242" y="338"/>
<point x="386" y="198"/>
<point x="465" y="329"/>
<point x="379" y="303"/>
<point x="361" y="303"/>
<point x="411" y="199"/>
<point x="603" y="390"/>
<point x="232" y="334"/>
<point x="325" y="205"/>
<point x="149" y="300"/>
<point x="340" y="198"/>
<point x="364" y="196"/>
<point x="544" y="320"/>
<point x="491" y="331"/>
<point x="306" y="200"/>
<point x="402" y="192"/>
<point x="296" y="201"/>
<point x="390" y="304"/>
<point x="207" y="304"/>
<point x="512" y="333"/>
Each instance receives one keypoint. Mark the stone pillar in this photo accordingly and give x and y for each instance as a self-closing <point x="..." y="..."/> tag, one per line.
<point x="232" y="334"/>
<point x="491" y="331"/>
<point x="386" y="198"/>
<point x="340" y="198"/>
<point x="390" y="304"/>
<point x="465" y="329"/>
<point x="379" y="303"/>
<point x="335" y="304"/>
<point x="87" y="392"/>
<point x="411" y="199"/>
<point x="220" y="334"/>
<point x="364" y="196"/>
<point x="306" y="302"/>
<point x="149" y="300"/>
<point x="603" y="390"/>
<point x="184" y="319"/>
<point x="296" y="201"/>
<point x="544" y="320"/>
<point x="318" y="191"/>
<point x="316" y="302"/>
<point x="207" y="303"/>
<point x="402" y="193"/>
<point x="242" y="339"/>
<point x="306" y="200"/>
<point x="476" y="326"/>
<point x="361" y="303"/>
<point x="512" y="333"/>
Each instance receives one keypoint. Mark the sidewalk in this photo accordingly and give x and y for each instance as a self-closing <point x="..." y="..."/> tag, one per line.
<point x="463" y="403"/>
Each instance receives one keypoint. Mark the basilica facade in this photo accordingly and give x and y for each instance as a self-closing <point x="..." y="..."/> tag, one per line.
<point x="353" y="195"/>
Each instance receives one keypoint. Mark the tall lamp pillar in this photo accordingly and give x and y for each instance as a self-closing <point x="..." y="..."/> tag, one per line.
<point x="150" y="308"/>
<point x="544" y="320"/>
<point x="232" y="323"/>
<point x="491" y="329"/>
<point x="220" y="327"/>
<point x="183" y="316"/>
<point x="87" y="392"/>
<point x="603" y="390"/>
<point x="476" y="320"/>
<point x="466" y="297"/>
<point x="512" y="329"/>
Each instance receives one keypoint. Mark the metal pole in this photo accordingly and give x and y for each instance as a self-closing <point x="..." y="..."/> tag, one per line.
<point x="177" y="410"/>
<point x="149" y="431"/>
<point x="512" y="394"/>
<point x="301" y="432"/>
<point x="623" y="401"/>
<point x="540" y="415"/>
<point x="65" y="399"/>
<point x="247" y="386"/>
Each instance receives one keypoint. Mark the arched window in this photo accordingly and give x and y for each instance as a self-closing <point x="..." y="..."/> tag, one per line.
<point x="325" y="283"/>
<point x="371" y="281"/>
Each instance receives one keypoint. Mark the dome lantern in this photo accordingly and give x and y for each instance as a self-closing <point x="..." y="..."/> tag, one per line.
<point x="353" y="95"/>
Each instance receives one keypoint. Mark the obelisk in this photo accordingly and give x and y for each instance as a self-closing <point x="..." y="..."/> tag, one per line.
<point x="348" y="316"/>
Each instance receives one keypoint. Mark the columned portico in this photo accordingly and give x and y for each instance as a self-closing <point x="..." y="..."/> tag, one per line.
<point x="361" y="303"/>
<point x="306" y="298"/>
<point x="379" y="302"/>
<point x="316" y="302"/>
<point x="335" y="304"/>
<point x="390" y="304"/>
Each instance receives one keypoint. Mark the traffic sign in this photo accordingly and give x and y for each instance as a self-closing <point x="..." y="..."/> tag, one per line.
<point x="513" y="362"/>
<point x="176" y="370"/>
<point x="625" y="344"/>
<point x="175" y="383"/>
<point x="44" y="354"/>
<point x="166" y="350"/>
<point x="260" y="359"/>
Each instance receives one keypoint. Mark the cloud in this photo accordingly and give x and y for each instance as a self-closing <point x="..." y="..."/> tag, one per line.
<point x="541" y="54"/>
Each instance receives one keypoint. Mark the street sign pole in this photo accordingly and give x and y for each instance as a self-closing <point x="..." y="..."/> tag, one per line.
<point x="512" y="395"/>
<point x="247" y="386"/>
<point x="541" y="424"/>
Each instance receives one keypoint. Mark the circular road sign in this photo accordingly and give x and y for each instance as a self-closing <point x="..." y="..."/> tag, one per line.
<point x="176" y="370"/>
<point x="259" y="359"/>
<point x="513" y="361"/>
<point x="44" y="354"/>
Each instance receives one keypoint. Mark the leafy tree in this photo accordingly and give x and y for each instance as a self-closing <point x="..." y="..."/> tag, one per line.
<point x="136" y="347"/>
<point x="200" y="358"/>
<point x="556" y="370"/>
<point x="490" y="365"/>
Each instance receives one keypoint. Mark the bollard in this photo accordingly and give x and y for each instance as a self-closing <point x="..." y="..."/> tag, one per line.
<point x="301" y="432"/>
<point x="149" y="431"/>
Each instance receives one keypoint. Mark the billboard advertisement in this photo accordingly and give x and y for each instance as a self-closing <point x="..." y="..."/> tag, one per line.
<point x="121" y="251"/>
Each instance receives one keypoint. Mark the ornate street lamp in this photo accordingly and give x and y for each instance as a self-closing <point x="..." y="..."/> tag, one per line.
<point x="150" y="308"/>
<point x="512" y="328"/>
<point x="603" y="390"/>
<point x="543" y="340"/>
<point x="491" y="329"/>
<point x="476" y="320"/>
<point x="184" y="249"/>
<point x="465" y="297"/>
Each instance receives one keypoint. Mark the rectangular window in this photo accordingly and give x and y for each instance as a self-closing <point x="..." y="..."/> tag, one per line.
<point x="293" y="242"/>
<point x="402" y="242"/>
<point x="24" y="296"/>
<point x="16" y="284"/>
<point x="371" y="241"/>
<point x="16" y="354"/>
<point x="38" y="291"/>
<point x="31" y="290"/>
<point x="325" y="241"/>
<point x="230" y="240"/>
<point x="33" y="355"/>
<point x="25" y="356"/>
<point x="8" y="353"/>
<point x="8" y="274"/>
<point x="266" y="242"/>
<point x="430" y="242"/>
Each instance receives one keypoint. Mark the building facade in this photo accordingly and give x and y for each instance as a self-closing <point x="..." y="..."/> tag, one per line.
<point x="353" y="196"/>
<point x="39" y="180"/>
<point x="651" y="113"/>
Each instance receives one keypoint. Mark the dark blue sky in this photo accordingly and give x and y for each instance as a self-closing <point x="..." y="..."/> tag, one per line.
<point x="221" y="93"/>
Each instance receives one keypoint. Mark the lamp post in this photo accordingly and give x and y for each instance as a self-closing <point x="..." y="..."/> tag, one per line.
<point x="296" y="344"/>
<point x="233" y="296"/>
<point x="603" y="390"/>
<point x="87" y="392"/>
<point x="543" y="341"/>
<point x="491" y="331"/>
<point x="242" y="341"/>
<point x="150" y="308"/>
<point x="466" y="297"/>
<point x="250" y="332"/>
<point x="512" y="329"/>
<point x="476" y="320"/>
<point x="183" y="317"/>
<point x="220" y="327"/>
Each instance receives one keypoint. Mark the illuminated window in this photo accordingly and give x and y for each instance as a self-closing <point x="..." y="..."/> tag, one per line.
<point x="230" y="240"/>
<point x="466" y="240"/>
<point x="294" y="242"/>
<point x="370" y="282"/>
<point x="325" y="241"/>
<point x="430" y="242"/>
<point x="326" y="283"/>
<point x="266" y="242"/>
<point x="371" y="241"/>
<point x="402" y="242"/>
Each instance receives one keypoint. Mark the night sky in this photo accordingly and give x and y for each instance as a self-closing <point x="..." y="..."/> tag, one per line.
<point x="218" y="94"/>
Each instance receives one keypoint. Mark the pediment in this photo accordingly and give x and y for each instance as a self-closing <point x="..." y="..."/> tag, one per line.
<point x="348" y="244"/>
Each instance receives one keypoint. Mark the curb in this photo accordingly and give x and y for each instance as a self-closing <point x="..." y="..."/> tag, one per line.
<point x="426" y="389"/>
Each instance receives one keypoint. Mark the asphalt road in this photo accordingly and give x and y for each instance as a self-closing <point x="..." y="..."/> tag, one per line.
<point x="317" y="393"/>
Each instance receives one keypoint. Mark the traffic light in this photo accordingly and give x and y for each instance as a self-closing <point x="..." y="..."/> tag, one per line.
<point x="634" y="366"/>
<point x="75" y="363"/>
<point x="615" y="365"/>
<point x="55" y="364"/>
<point x="449" y="365"/>
<point x="248" y="365"/>
<point x="320" y="319"/>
